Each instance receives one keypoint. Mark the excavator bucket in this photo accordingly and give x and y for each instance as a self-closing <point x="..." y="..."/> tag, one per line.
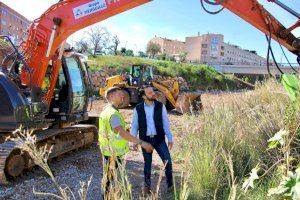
<point x="188" y="103"/>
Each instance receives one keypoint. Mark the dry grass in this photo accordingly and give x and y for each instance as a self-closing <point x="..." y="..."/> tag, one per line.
<point x="26" y="142"/>
<point x="230" y="137"/>
<point x="120" y="187"/>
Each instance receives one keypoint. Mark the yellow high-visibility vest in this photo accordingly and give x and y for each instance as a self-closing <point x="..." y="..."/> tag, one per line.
<point x="111" y="143"/>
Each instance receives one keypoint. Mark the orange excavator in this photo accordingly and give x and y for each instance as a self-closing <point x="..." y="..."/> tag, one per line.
<point x="44" y="88"/>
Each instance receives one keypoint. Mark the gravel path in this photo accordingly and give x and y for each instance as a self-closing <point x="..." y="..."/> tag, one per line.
<point x="80" y="166"/>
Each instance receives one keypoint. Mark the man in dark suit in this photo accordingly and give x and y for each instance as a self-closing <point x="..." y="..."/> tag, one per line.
<point x="150" y="122"/>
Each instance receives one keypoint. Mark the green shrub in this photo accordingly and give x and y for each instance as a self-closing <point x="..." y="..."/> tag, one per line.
<point x="198" y="76"/>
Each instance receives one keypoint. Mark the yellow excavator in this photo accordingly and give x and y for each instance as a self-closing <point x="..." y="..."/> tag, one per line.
<point x="167" y="90"/>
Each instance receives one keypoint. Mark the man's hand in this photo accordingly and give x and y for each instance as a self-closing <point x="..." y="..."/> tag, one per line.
<point x="148" y="147"/>
<point x="135" y="147"/>
<point x="170" y="145"/>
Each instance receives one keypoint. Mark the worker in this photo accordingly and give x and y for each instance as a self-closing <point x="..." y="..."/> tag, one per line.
<point x="151" y="122"/>
<point x="113" y="137"/>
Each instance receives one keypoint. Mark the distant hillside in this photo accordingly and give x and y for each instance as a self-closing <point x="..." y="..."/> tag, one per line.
<point x="198" y="76"/>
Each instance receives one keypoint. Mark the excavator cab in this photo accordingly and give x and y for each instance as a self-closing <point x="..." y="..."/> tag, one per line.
<point x="141" y="75"/>
<point x="70" y="99"/>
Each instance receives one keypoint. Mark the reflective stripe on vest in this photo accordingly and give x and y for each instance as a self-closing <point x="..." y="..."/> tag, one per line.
<point x="111" y="143"/>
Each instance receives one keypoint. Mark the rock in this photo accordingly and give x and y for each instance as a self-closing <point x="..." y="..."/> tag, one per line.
<point x="102" y="73"/>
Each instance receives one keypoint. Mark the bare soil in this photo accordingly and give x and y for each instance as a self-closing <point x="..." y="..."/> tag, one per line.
<point x="81" y="165"/>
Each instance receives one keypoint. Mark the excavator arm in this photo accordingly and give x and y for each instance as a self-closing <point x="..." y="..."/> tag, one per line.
<point x="255" y="14"/>
<point x="47" y="34"/>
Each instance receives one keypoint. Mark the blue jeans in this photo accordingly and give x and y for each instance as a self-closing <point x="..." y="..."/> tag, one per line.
<point x="164" y="154"/>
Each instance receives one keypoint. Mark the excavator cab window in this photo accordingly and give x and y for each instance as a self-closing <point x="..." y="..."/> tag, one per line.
<point x="60" y="102"/>
<point x="141" y="75"/>
<point x="148" y="73"/>
<point x="136" y="71"/>
<point x="46" y="82"/>
<point x="136" y="75"/>
<point x="77" y="84"/>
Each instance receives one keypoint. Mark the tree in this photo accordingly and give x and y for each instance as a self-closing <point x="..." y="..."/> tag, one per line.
<point x="162" y="56"/>
<point x="173" y="59"/>
<point x="98" y="38"/>
<point x="182" y="57"/>
<point x="129" y="52"/>
<point x="142" y="54"/>
<point x="115" y="42"/>
<point x="153" y="49"/>
<point x="82" y="46"/>
<point x="123" y="51"/>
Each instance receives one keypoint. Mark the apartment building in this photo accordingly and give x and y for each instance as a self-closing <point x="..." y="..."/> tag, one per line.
<point x="205" y="48"/>
<point x="234" y="54"/>
<point x="168" y="46"/>
<point x="211" y="48"/>
<point x="13" y="24"/>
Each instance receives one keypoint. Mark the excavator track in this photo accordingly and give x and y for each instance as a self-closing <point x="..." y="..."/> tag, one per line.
<point x="5" y="150"/>
<point x="13" y="162"/>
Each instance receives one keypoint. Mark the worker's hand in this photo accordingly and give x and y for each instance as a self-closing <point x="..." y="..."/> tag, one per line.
<point x="148" y="147"/>
<point x="170" y="145"/>
<point x="135" y="147"/>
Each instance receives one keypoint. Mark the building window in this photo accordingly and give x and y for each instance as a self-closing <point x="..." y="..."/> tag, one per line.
<point x="222" y="47"/>
<point x="3" y="21"/>
<point x="222" y="53"/>
<point x="204" y="45"/>
<point x="204" y="52"/>
<point x="4" y="13"/>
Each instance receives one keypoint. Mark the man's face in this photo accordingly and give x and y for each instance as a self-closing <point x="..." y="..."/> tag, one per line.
<point x="119" y="98"/>
<point x="149" y="94"/>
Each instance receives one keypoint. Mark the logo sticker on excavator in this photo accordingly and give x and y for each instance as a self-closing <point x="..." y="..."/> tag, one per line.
<point x="89" y="8"/>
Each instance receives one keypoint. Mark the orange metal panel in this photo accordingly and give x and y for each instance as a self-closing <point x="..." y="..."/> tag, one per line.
<point x="40" y="31"/>
<point x="254" y="13"/>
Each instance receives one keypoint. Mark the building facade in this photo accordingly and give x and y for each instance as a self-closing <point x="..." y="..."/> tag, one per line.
<point x="168" y="46"/>
<point x="205" y="48"/>
<point x="211" y="49"/>
<point x="235" y="55"/>
<point x="13" y="24"/>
